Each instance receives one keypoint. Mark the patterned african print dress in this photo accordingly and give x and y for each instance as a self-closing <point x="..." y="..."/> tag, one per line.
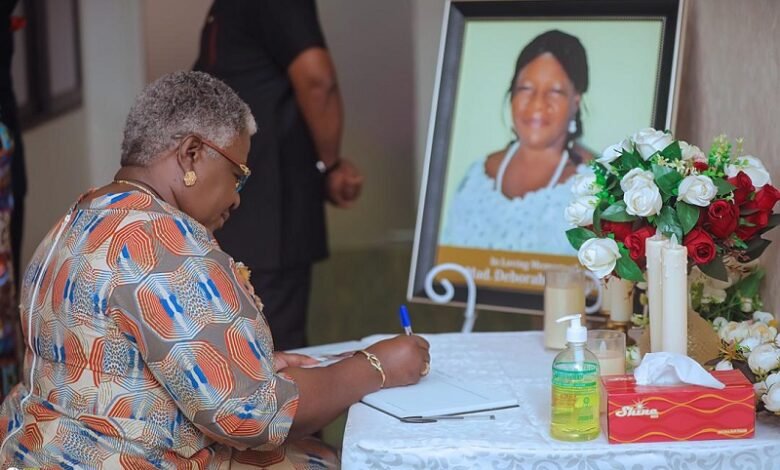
<point x="144" y="350"/>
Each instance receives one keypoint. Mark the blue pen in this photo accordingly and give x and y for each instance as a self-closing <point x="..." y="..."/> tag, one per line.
<point x="406" y="323"/>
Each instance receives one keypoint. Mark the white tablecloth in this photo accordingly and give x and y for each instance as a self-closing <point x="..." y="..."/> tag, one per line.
<point x="519" y="438"/>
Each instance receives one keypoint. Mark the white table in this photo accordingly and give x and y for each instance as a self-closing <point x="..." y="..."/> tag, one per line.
<point x="519" y="438"/>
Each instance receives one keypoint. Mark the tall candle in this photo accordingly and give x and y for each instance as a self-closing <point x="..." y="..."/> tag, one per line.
<point x="674" y="325"/>
<point x="653" y="246"/>
<point x="621" y="299"/>
<point x="559" y="302"/>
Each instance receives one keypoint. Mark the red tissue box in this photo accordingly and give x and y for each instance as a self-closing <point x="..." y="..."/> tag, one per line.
<point x="643" y="413"/>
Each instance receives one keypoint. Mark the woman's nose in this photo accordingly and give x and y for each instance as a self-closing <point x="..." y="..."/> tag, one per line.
<point x="537" y="102"/>
<point x="236" y="201"/>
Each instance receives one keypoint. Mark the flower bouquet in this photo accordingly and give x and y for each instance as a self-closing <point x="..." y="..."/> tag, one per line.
<point x="753" y="347"/>
<point x="717" y="204"/>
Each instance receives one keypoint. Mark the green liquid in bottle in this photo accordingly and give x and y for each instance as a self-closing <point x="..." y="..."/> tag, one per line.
<point x="575" y="399"/>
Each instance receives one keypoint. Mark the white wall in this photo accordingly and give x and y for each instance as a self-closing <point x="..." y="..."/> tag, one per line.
<point x="79" y="150"/>
<point x="372" y="44"/>
<point x="171" y="34"/>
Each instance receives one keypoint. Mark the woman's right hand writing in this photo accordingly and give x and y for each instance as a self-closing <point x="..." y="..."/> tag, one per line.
<point x="403" y="358"/>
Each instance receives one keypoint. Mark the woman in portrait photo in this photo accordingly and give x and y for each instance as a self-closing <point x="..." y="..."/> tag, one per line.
<point x="514" y="198"/>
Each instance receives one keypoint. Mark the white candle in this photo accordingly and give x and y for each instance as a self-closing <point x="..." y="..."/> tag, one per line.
<point x="674" y="325"/>
<point x="621" y="299"/>
<point x="559" y="302"/>
<point x="653" y="246"/>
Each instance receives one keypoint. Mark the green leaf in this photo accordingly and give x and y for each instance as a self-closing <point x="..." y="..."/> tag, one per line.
<point x="724" y="187"/>
<point x="715" y="269"/>
<point x="756" y="247"/>
<point x="667" y="179"/>
<point x="597" y="216"/>
<point x="617" y="213"/>
<point x="749" y="285"/>
<point x="578" y="236"/>
<point x="668" y="223"/>
<point x="672" y="151"/>
<point x="688" y="215"/>
<point x="630" y="160"/>
<point x="627" y="268"/>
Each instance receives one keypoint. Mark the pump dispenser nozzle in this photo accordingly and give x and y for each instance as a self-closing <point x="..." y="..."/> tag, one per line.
<point x="575" y="333"/>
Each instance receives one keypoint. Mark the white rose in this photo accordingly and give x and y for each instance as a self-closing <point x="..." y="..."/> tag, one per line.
<point x="777" y="341"/>
<point x="734" y="332"/>
<point x="759" y="388"/>
<point x="599" y="255"/>
<point x="772" y="399"/>
<point x="719" y="323"/>
<point x="649" y="141"/>
<point x="724" y="365"/>
<point x="763" y="317"/>
<point x="691" y="152"/>
<point x="584" y="185"/>
<point x="764" y="333"/>
<point x="753" y="167"/>
<point x="643" y="201"/>
<point x="612" y="153"/>
<point x="698" y="190"/>
<point x="636" y="178"/>
<point x="772" y="379"/>
<point x="749" y="344"/>
<point x="764" y="359"/>
<point x="580" y="211"/>
<point x="711" y="295"/>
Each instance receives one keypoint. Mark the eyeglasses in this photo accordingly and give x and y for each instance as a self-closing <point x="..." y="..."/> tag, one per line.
<point x="245" y="171"/>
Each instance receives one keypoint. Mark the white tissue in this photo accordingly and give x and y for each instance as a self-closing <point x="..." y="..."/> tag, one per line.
<point x="664" y="368"/>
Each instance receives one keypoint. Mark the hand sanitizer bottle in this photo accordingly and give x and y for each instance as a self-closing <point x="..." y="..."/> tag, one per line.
<point x="575" y="387"/>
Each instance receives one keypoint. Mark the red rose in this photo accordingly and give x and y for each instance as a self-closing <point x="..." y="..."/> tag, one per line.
<point x="700" y="246"/>
<point x="722" y="218"/>
<point x="701" y="166"/>
<point x="635" y="242"/>
<point x="620" y="229"/>
<point x="765" y="199"/>
<point x="744" y="187"/>
<point x="758" y="221"/>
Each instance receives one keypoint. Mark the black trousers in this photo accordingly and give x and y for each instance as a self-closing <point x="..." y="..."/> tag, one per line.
<point x="285" y="296"/>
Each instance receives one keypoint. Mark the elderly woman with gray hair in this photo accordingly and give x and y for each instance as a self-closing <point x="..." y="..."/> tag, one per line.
<point x="146" y="346"/>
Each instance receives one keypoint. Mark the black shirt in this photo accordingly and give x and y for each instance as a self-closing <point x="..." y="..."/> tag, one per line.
<point x="249" y="45"/>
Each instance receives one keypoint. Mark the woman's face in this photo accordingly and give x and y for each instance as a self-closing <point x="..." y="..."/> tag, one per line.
<point x="213" y="196"/>
<point x="543" y="102"/>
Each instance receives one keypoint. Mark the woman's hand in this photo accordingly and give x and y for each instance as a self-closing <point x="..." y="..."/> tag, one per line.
<point x="283" y="360"/>
<point x="405" y="359"/>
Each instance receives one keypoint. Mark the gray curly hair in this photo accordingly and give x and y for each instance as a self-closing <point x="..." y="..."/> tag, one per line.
<point x="182" y="103"/>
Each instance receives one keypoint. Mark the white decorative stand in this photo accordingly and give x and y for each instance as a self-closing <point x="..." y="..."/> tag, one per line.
<point x="449" y="291"/>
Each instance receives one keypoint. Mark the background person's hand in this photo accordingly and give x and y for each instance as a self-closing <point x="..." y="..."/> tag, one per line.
<point x="403" y="359"/>
<point x="283" y="360"/>
<point x="344" y="184"/>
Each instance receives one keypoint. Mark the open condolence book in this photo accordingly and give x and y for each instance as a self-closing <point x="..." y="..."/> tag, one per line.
<point x="436" y="394"/>
<point x="439" y="394"/>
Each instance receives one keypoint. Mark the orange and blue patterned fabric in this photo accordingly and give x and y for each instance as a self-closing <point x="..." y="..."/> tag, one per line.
<point x="145" y="351"/>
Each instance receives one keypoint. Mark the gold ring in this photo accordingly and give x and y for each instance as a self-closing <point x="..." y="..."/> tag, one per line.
<point x="426" y="369"/>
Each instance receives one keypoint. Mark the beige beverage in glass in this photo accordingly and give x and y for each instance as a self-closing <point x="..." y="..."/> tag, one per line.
<point x="564" y="294"/>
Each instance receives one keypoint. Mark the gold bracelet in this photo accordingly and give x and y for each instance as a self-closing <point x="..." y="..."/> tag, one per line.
<point x="374" y="361"/>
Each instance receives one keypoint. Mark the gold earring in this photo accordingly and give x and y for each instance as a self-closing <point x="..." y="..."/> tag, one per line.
<point x="190" y="178"/>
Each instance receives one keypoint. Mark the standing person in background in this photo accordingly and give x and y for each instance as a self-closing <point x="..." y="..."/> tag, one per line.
<point x="273" y="54"/>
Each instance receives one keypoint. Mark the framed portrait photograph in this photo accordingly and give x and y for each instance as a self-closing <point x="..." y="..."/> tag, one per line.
<point x="527" y="94"/>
